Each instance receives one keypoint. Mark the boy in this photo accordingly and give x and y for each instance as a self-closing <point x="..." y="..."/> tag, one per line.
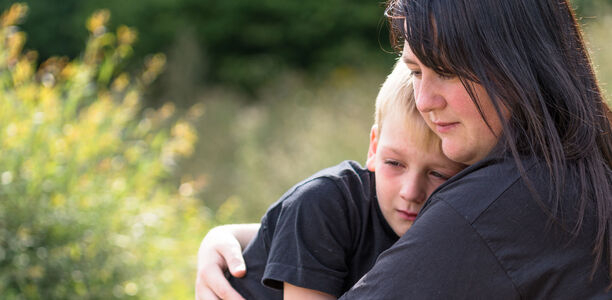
<point x="327" y="231"/>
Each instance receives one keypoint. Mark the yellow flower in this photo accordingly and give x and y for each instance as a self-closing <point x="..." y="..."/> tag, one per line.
<point x="15" y="42"/>
<point x="166" y="111"/>
<point x="153" y="66"/>
<point x="96" y="24"/>
<point x="120" y="83"/>
<point x="14" y="15"/>
<point x="23" y="71"/>
<point x="126" y="35"/>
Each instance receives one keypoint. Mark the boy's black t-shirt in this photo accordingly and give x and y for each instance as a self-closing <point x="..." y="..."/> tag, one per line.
<point x="323" y="234"/>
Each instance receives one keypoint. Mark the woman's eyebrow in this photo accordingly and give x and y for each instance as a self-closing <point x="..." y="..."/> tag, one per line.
<point x="409" y="61"/>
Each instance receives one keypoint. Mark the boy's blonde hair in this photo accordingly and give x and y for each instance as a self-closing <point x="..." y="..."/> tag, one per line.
<point x="397" y="95"/>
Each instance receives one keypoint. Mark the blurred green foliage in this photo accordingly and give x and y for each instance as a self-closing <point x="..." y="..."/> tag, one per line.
<point x="251" y="154"/>
<point x="591" y="7"/>
<point x="89" y="208"/>
<point x="241" y="42"/>
<point x="599" y="40"/>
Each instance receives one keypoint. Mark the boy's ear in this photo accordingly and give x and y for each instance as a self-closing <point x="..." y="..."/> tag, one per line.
<point x="370" y="163"/>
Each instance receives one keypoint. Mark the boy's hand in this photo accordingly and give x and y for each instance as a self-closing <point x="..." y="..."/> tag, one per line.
<point x="219" y="250"/>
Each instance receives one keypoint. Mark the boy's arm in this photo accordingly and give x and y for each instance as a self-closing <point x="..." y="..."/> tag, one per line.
<point x="220" y="250"/>
<point x="291" y="292"/>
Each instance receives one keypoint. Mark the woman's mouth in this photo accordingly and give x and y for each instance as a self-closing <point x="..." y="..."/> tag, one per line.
<point x="443" y="127"/>
<point x="407" y="215"/>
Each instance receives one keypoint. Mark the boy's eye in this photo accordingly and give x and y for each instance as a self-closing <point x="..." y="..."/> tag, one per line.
<point x="393" y="163"/>
<point x="439" y="175"/>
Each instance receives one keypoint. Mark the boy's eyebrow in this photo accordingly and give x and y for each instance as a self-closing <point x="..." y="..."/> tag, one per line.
<point x="390" y="148"/>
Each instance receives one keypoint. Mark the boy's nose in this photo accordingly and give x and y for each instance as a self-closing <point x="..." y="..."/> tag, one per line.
<point x="413" y="189"/>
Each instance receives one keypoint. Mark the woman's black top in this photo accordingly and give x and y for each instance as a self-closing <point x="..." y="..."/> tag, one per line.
<point x="483" y="235"/>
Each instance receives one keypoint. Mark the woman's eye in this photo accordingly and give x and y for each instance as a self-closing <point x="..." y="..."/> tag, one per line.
<point x="439" y="175"/>
<point x="446" y="76"/>
<point x="416" y="74"/>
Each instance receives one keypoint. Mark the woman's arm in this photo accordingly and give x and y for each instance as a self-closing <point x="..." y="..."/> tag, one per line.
<point x="220" y="250"/>
<point x="291" y="292"/>
<point x="243" y="233"/>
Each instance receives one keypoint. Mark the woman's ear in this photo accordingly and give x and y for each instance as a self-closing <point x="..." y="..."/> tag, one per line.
<point x="370" y="163"/>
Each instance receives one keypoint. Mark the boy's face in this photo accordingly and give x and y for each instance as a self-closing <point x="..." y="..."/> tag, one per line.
<point x="406" y="173"/>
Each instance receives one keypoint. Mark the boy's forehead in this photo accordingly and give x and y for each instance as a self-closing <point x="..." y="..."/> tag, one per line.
<point x="401" y="127"/>
<point x="397" y="126"/>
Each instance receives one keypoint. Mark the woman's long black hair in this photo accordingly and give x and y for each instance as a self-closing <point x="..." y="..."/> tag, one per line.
<point x="530" y="57"/>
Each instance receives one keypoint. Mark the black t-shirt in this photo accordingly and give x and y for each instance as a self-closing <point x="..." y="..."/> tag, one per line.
<point x="323" y="234"/>
<point x="482" y="235"/>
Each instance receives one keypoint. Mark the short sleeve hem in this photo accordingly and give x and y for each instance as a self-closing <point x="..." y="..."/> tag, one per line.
<point x="276" y="274"/>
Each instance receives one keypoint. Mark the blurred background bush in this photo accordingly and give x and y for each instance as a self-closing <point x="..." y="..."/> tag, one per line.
<point x="89" y="206"/>
<point x="241" y="43"/>
<point x="115" y="161"/>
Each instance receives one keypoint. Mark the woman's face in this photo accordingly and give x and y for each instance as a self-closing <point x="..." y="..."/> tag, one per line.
<point x="449" y="111"/>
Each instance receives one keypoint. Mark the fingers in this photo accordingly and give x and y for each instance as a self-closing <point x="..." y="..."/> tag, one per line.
<point x="220" y="286"/>
<point x="238" y="269"/>
<point x="235" y="260"/>
<point x="220" y="252"/>
<point x="231" y="255"/>
<point x="204" y="293"/>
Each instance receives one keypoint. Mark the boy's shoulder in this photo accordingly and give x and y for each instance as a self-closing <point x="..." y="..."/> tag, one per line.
<point x="346" y="168"/>
<point x="347" y="186"/>
<point x="346" y="171"/>
<point x="348" y="178"/>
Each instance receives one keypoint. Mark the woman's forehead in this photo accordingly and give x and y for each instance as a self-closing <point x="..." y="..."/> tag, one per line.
<point x="408" y="57"/>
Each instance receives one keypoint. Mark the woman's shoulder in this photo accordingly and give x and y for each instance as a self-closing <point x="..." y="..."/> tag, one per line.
<point x="475" y="189"/>
<point x="500" y="188"/>
<point x="509" y="212"/>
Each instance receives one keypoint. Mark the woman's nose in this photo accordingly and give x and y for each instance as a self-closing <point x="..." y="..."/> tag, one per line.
<point x="428" y="94"/>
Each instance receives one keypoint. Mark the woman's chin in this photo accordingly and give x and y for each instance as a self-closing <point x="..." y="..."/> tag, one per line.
<point x="456" y="153"/>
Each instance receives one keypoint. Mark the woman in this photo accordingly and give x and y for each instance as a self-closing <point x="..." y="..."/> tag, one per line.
<point x="508" y="87"/>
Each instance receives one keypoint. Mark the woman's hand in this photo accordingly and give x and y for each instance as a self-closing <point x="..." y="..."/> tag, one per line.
<point x="220" y="250"/>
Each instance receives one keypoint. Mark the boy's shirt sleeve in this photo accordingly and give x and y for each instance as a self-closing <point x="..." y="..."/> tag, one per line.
<point x="312" y="239"/>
